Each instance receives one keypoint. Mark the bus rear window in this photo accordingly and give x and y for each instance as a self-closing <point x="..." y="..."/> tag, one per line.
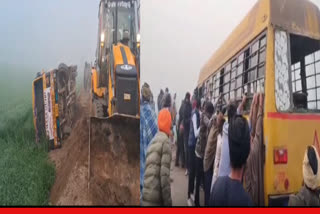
<point x="305" y="72"/>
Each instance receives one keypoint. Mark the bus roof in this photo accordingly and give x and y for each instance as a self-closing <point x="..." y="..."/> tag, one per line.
<point x="296" y="16"/>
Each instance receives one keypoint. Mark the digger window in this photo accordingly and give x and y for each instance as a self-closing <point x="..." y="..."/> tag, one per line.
<point x="305" y="72"/>
<point x="126" y="23"/>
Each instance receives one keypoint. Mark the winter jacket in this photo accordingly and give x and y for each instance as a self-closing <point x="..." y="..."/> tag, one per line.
<point x="305" y="198"/>
<point x="180" y="119"/>
<point x="156" y="188"/>
<point x="254" y="174"/>
<point x="194" y="128"/>
<point x="225" y="167"/>
<point x="159" y="101"/>
<point x="216" y="161"/>
<point x="210" y="149"/>
<point x="203" y="135"/>
<point x="187" y="111"/>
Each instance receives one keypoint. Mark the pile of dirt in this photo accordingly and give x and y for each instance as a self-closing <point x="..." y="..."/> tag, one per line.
<point x="71" y="161"/>
<point x="113" y="162"/>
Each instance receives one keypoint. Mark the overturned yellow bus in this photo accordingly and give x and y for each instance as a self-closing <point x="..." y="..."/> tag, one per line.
<point x="275" y="50"/>
<point x="53" y="104"/>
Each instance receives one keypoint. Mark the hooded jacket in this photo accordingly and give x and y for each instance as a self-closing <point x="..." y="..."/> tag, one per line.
<point x="203" y="135"/>
<point x="156" y="188"/>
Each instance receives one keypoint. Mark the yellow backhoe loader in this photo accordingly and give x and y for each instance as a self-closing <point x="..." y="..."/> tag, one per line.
<point x="114" y="124"/>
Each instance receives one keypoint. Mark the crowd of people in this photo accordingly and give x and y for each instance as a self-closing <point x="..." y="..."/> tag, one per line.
<point x="225" y="157"/>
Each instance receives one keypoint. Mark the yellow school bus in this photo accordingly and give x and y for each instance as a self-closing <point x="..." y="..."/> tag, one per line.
<point x="45" y="108"/>
<point x="275" y="50"/>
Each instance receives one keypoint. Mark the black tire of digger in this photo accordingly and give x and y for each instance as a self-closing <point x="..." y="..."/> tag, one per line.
<point x="99" y="110"/>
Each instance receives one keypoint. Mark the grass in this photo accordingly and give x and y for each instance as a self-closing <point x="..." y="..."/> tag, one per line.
<point x="26" y="174"/>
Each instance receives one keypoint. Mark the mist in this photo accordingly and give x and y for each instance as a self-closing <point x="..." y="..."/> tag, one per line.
<point x="41" y="34"/>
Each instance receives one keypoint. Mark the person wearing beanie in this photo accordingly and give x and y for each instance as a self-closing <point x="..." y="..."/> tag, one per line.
<point x="148" y="127"/>
<point x="228" y="190"/>
<point x="308" y="194"/>
<point x="156" y="182"/>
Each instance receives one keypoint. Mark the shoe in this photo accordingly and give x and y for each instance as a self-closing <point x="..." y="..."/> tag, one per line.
<point x="192" y="197"/>
<point x="186" y="173"/>
<point x="189" y="202"/>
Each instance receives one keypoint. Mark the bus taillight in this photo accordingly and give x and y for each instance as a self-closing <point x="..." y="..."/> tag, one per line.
<point x="280" y="156"/>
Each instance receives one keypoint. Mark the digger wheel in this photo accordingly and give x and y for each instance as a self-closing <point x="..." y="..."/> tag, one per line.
<point x="98" y="110"/>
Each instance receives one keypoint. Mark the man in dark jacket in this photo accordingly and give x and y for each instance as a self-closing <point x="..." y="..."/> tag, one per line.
<point x="200" y="149"/>
<point x="180" y="153"/>
<point x="187" y="109"/>
<point x="193" y="137"/>
<point x="228" y="191"/>
<point x="159" y="101"/>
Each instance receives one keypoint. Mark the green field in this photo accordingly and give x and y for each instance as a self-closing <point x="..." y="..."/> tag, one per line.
<point x="26" y="174"/>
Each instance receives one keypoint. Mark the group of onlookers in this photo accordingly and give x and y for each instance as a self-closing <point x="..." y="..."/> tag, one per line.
<point x="223" y="156"/>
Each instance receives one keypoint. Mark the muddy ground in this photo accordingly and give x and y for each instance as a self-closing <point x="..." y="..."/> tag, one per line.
<point x="114" y="174"/>
<point x="71" y="161"/>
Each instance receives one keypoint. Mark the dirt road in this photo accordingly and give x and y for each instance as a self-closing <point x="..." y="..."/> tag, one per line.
<point x="71" y="161"/>
<point x="179" y="185"/>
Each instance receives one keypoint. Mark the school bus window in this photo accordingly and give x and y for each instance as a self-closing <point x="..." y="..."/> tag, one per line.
<point x="252" y="78"/>
<point x="296" y="78"/>
<point x="305" y="72"/>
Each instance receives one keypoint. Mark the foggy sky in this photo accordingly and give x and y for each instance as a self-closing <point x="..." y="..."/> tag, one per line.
<point x="179" y="36"/>
<point x="41" y="34"/>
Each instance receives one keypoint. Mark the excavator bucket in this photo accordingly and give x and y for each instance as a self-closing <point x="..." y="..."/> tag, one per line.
<point x="114" y="163"/>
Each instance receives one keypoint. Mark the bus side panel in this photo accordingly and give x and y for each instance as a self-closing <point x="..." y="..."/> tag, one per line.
<point x="269" y="106"/>
<point x="287" y="132"/>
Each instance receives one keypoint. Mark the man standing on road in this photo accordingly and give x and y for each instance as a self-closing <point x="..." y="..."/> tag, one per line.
<point x="193" y="137"/>
<point x="187" y="109"/>
<point x="159" y="101"/>
<point x="200" y="149"/>
<point x="180" y="133"/>
<point x="148" y="128"/>
<point x="156" y="182"/>
<point x="228" y="190"/>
